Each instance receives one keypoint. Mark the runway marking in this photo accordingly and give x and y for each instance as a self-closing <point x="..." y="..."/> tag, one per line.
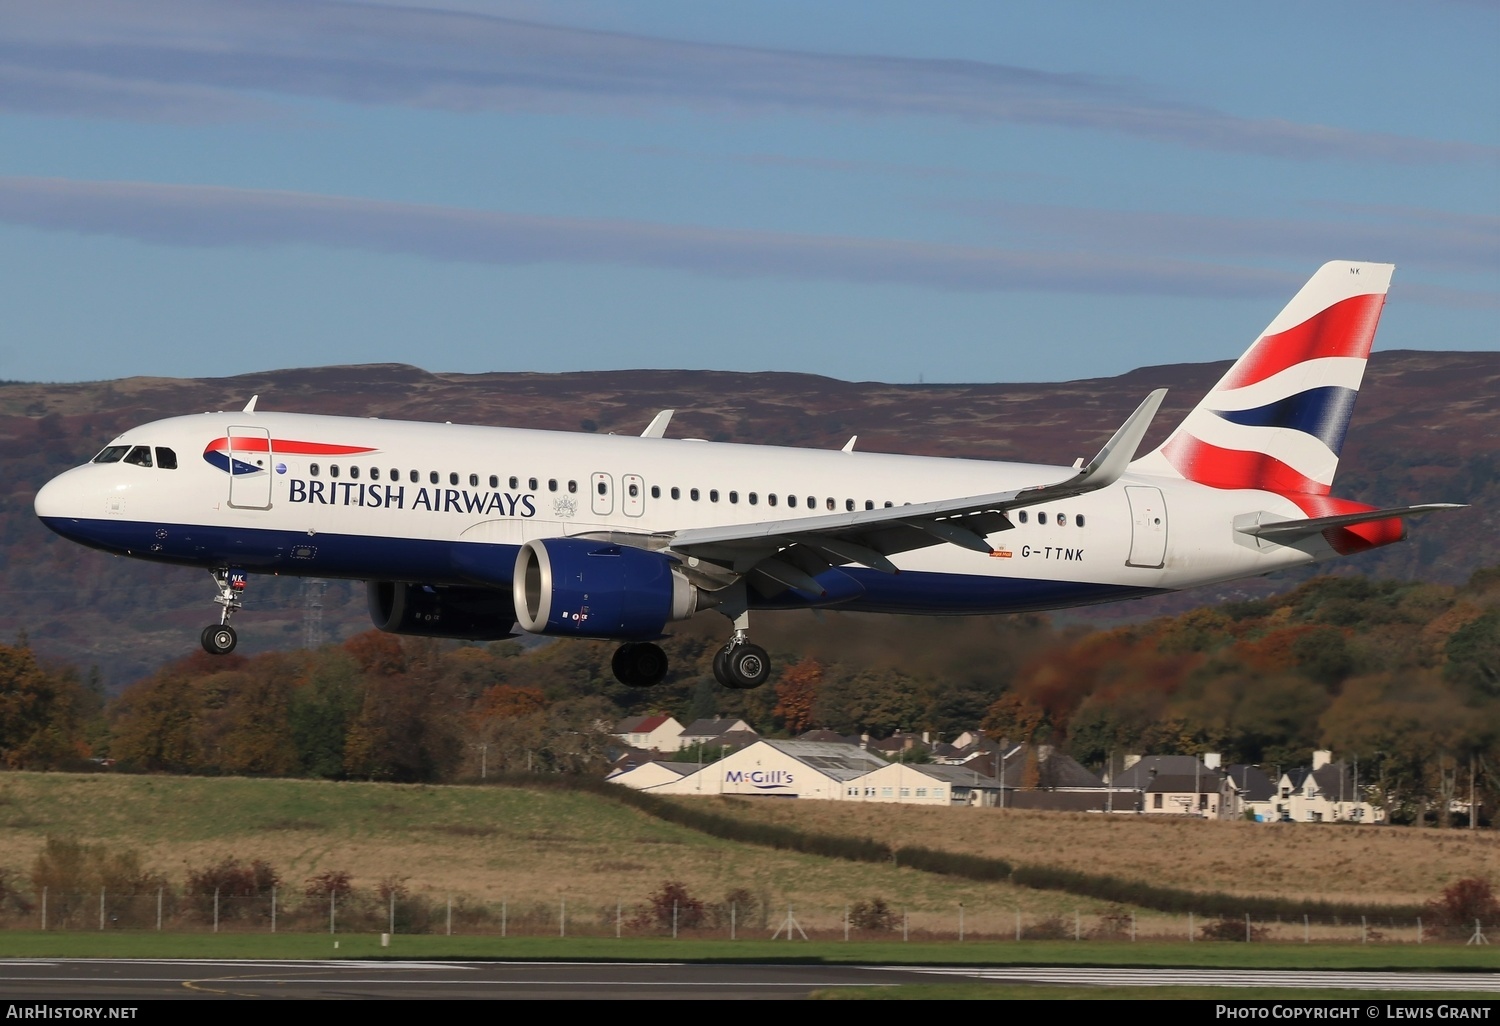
<point x="1302" y="978"/>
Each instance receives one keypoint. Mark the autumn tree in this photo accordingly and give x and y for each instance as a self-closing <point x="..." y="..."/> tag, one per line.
<point x="41" y="713"/>
<point x="797" y="695"/>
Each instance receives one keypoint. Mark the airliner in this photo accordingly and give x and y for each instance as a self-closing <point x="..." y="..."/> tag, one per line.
<point x="468" y="532"/>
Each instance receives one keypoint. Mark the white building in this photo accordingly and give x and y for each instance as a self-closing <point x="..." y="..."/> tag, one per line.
<point x="654" y="733"/>
<point x="785" y="769"/>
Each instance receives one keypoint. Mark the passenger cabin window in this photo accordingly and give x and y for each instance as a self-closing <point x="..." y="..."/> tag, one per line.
<point x="1062" y="520"/>
<point x="333" y="470"/>
<point x="494" y="481"/>
<point x="1022" y="516"/>
<point x="515" y="483"/>
<point x="734" y="497"/>
<point x="693" y="494"/>
<point x="1041" y="518"/>
<point x="415" y="476"/>
<point x="140" y="456"/>
<point x="166" y="459"/>
<point x="791" y="500"/>
<point x="831" y="505"/>
<point x="1078" y="520"/>
<point x="753" y="498"/>
<point x="603" y="488"/>
<point x="676" y="492"/>
<point x="432" y="477"/>
<point x="354" y="472"/>
<point x="531" y="483"/>
<point x="572" y="487"/>
<point x="713" y="495"/>
<point x="849" y="505"/>
<point x="473" y="480"/>
<point x="656" y="491"/>
<point x="112" y="454"/>
<point x="552" y="484"/>
<point x="771" y="499"/>
<point x="452" y="478"/>
<point x="374" y="473"/>
<point x="869" y="504"/>
<point x="312" y="470"/>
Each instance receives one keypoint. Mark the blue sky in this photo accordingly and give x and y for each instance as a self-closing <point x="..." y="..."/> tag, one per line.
<point x="872" y="191"/>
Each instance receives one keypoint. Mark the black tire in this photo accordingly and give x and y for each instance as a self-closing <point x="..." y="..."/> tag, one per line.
<point x="747" y="666"/>
<point x="639" y="664"/>
<point x="721" y="670"/>
<point x="219" y="640"/>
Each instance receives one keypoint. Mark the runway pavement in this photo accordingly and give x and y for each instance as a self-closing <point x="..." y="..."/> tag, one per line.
<point x="82" y="980"/>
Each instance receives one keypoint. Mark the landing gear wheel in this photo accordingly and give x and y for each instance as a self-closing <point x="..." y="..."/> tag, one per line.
<point x="219" y="639"/>
<point x="639" y="664"/>
<point x="745" y="666"/>
<point x="721" y="671"/>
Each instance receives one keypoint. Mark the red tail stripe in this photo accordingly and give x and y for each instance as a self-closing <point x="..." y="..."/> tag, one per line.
<point x="1210" y="465"/>
<point x="1347" y="328"/>
<point x="1348" y="540"/>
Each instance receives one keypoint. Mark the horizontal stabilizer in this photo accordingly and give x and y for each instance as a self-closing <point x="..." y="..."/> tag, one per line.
<point x="1278" y="530"/>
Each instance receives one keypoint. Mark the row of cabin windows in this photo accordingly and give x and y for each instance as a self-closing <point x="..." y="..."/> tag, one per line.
<point x="139" y="456"/>
<point x="753" y="498"/>
<point x="433" y="477"/>
<point x="1061" y="519"/>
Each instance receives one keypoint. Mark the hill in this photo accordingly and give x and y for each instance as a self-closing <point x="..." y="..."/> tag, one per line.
<point x="1427" y="428"/>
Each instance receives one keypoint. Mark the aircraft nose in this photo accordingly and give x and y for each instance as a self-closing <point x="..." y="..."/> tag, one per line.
<point x="60" y="498"/>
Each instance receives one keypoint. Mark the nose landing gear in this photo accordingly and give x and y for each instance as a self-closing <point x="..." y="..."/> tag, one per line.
<point x="220" y="638"/>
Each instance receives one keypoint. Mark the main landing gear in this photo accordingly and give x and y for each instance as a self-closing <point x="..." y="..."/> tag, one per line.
<point x="220" y="638"/>
<point x="741" y="664"/>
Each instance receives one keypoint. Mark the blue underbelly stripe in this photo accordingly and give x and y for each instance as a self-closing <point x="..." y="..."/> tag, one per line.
<point x="360" y="557"/>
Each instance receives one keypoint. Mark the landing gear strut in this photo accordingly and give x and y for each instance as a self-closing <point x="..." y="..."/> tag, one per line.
<point x="741" y="664"/>
<point x="639" y="664"/>
<point x="220" y="638"/>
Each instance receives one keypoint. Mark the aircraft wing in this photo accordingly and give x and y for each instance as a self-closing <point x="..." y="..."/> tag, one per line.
<point x="792" y="552"/>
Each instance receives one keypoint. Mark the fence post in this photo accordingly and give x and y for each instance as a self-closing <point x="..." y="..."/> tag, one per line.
<point x="216" y="910"/>
<point x="846" y="922"/>
<point x="1018" y="922"/>
<point x="562" y="918"/>
<point x="44" y="911"/>
<point x="1306" y="930"/>
<point x="905" y="925"/>
<point x="158" y="910"/>
<point x="504" y="910"/>
<point x="1247" y="927"/>
<point x="450" y="915"/>
<point x="101" y="908"/>
<point x="331" y="896"/>
<point x="674" y="920"/>
<point x="1364" y="932"/>
<point x="733" y="913"/>
<point x="1132" y="927"/>
<point x="960" y="921"/>
<point x="1077" y="925"/>
<point x="1190" y="928"/>
<point x="273" y="908"/>
<point x="1419" y="926"/>
<point x="619" y="916"/>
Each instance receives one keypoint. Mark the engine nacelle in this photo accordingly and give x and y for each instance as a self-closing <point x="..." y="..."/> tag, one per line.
<point x="590" y="589"/>
<point x="470" y="614"/>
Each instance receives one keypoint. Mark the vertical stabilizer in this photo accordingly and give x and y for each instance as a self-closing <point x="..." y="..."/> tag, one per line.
<point x="1277" y="420"/>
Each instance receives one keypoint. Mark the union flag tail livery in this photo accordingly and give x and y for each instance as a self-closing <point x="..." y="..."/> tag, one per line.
<point x="1276" y="421"/>
<point x="465" y="532"/>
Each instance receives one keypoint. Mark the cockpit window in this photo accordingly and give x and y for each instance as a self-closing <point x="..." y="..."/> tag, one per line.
<point x="140" y="456"/>
<point x="166" y="459"/>
<point x="112" y="454"/>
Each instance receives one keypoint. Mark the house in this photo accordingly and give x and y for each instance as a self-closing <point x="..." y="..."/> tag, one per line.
<point x="1249" y="792"/>
<point x="708" y="732"/>
<point x="656" y="732"/>
<point x="1180" y="785"/>
<point x="1328" y="792"/>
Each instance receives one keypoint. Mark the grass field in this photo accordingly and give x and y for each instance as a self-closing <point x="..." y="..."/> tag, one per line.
<point x="1386" y="865"/>
<point x="538" y="850"/>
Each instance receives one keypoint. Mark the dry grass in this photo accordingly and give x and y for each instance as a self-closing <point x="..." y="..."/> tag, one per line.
<point x="486" y="844"/>
<point x="1385" y="865"/>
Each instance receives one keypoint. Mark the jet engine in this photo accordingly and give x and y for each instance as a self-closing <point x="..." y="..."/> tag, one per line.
<point x="591" y="589"/>
<point x="470" y="614"/>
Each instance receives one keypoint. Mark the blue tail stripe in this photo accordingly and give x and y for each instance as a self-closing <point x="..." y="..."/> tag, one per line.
<point x="1321" y="412"/>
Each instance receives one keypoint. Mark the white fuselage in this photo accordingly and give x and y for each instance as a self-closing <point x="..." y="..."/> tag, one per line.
<point x="448" y="504"/>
